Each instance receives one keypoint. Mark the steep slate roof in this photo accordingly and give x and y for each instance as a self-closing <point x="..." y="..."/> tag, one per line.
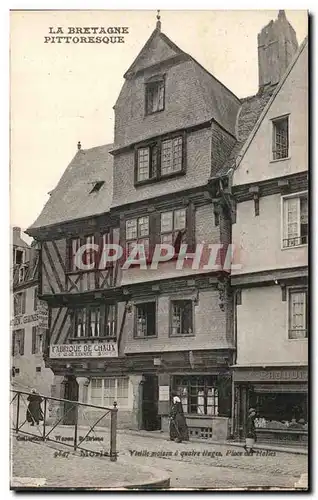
<point x="217" y="100"/>
<point x="71" y="199"/>
<point x="251" y="115"/>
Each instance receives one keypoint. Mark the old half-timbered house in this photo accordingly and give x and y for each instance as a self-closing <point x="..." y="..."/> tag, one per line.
<point x="270" y="187"/>
<point x="81" y="294"/>
<point x="174" y="126"/>
<point x="29" y="319"/>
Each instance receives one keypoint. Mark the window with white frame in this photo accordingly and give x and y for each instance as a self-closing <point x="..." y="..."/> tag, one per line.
<point x="298" y="322"/>
<point x="295" y="220"/>
<point x="137" y="233"/>
<point x="105" y="391"/>
<point x="280" y="144"/>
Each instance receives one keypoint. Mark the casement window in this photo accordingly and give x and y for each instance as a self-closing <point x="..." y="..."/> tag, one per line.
<point x="199" y="394"/>
<point x="95" y="321"/>
<point x="19" y="300"/>
<point x="145" y="320"/>
<point x="37" y="340"/>
<point x="181" y="317"/>
<point x="137" y="233"/>
<point x="160" y="158"/>
<point x="280" y="143"/>
<point x="172" y="223"/>
<point x="298" y="317"/>
<point x="295" y="220"/>
<point x="105" y="391"/>
<point x="18" y="342"/>
<point x="155" y="95"/>
<point x="171" y="156"/>
<point x="90" y="256"/>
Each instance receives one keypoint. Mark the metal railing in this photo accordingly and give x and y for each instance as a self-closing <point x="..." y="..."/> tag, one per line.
<point x="22" y="419"/>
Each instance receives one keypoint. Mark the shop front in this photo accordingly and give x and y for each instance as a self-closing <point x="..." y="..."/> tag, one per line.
<point x="280" y="398"/>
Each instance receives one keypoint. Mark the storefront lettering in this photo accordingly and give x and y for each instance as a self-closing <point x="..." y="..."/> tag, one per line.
<point x="86" y="350"/>
<point x="271" y="375"/>
<point x="40" y="318"/>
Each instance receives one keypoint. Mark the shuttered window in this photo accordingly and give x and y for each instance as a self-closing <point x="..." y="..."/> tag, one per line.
<point x="18" y="342"/>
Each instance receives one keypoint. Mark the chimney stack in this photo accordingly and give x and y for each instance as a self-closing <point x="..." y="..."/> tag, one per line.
<point x="277" y="45"/>
<point x="17" y="232"/>
<point x="79" y="146"/>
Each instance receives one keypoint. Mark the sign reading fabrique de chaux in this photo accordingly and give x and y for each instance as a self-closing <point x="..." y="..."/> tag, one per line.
<point x="84" y="350"/>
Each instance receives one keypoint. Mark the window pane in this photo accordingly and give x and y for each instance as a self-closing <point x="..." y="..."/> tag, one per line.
<point x="181" y="321"/>
<point x="143" y="226"/>
<point x="179" y="219"/>
<point x="109" y="391"/>
<point x="166" y="222"/>
<point x="143" y="164"/>
<point x="166" y="157"/>
<point x="280" y="139"/>
<point x="110" y="320"/>
<point x="131" y="229"/>
<point x="298" y="314"/>
<point x="96" y="391"/>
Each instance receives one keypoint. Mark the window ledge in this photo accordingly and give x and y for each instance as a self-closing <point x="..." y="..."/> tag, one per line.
<point x="159" y="179"/>
<point x="79" y="339"/>
<point x="280" y="159"/>
<point x="182" y="335"/>
<point x="304" y="339"/>
<point x="295" y="246"/>
<point x="148" y="337"/>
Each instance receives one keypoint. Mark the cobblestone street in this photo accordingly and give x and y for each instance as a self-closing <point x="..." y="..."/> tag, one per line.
<point x="189" y="465"/>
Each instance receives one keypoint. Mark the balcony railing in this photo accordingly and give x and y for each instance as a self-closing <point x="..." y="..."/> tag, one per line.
<point x="295" y="242"/>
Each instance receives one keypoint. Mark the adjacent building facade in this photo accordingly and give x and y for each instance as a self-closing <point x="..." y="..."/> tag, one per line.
<point x="133" y="330"/>
<point x="29" y="320"/>
<point x="270" y="186"/>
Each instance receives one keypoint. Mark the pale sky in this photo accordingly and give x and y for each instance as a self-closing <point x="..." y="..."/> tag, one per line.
<point x="65" y="93"/>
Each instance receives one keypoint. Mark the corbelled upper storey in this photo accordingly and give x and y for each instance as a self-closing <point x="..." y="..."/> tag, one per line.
<point x="167" y="90"/>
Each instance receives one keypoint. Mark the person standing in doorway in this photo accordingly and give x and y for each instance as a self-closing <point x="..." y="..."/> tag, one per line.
<point x="178" y="426"/>
<point x="34" y="411"/>
<point x="250" y="431"/>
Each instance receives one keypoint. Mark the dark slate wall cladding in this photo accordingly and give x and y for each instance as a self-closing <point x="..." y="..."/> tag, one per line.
<point x="222" y="144"/>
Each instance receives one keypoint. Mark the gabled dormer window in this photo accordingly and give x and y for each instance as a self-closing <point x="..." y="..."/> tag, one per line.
<point x="155" y="95"/>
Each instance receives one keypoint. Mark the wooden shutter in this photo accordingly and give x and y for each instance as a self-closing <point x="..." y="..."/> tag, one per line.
<point x="23" y="302"/>
<point x="33" y="339"/>
<point x="122" y="237"/>
<point x="13" y="342"/>
<point x="154" y="232"/>
<point x="190" y="228"/>
<point x="22" y="342"/>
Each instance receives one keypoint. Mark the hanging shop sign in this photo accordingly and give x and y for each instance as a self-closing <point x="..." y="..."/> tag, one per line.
<point x="84" y="350"/>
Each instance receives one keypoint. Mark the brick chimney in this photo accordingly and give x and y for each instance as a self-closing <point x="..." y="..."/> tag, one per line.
<point x="277" y="45"/>
<point x="17" y="232"/>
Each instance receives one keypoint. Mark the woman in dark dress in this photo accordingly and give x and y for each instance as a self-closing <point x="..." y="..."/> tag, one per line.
<point x="34" y="411"/>
<point x="178" y="426"/>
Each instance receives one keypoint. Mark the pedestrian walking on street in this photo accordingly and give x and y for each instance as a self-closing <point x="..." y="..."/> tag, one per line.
<point x="34" y="410"/>
<point x="178" y="426"/>
<point x="250" y="431"/>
